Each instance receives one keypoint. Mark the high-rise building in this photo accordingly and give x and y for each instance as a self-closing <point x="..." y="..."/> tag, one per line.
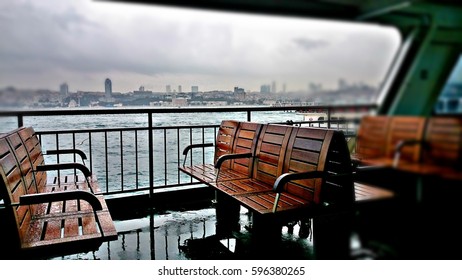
<point x="284" y="88"/>
<point x="273" y="87"/>
<point x="194" y="89"/>
<point x="265" y="88"/>
<point x="64" y="89"/>
<point x="168" y="89"/>
<point x="108" y="88"/>
<point x="179" y="89"/>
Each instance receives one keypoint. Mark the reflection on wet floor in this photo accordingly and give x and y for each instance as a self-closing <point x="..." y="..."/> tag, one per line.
<point x="183" y="235"/>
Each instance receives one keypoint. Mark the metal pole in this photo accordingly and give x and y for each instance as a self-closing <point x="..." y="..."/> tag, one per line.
<point x="151" y="158"/>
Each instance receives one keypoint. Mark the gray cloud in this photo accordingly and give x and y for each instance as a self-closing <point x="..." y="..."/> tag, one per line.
<point x="46" y="42"/>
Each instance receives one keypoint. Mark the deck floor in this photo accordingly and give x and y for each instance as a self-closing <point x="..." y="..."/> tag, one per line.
<point x="183" y="235"/>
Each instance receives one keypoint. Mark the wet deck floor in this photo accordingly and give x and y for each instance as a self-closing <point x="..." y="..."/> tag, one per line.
<point x="184" y="235"/>
<point x="191" y="234"/>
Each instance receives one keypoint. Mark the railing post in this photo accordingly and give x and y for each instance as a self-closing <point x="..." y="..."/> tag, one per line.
<point x="328" y="117"/>
<point x="20" y="120"/>
<point x="151" y="158"/>
<point x="249" y="115"/>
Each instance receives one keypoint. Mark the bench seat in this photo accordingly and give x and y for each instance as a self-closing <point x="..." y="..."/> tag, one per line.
<point x="366" y="193"/>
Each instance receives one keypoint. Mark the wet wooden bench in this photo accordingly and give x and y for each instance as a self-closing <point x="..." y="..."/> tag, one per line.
<point x="296" y="168"/>
<point x="232" y="138"/>
<point x="299" y="173"/>
<point x="48" y="217"/>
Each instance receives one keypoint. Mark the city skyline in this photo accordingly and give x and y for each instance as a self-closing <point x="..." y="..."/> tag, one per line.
<point x="46" y="43"/>
<point x="106" y="86"/>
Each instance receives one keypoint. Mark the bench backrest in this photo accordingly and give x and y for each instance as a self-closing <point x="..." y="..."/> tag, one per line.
<point x="312" y="149"/>
<point x="270" y="153"/>
<point x="245" y="141"/>
<point x="372" y="136"/>
<point x="443" y="139"/>
<point x="405" y="128"/>
<point x="26" y="144"/>
<point x="225" y="139"/>
<point x="12" y="186"/>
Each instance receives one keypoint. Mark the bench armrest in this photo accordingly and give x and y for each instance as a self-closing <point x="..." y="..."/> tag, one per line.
<point x="224" y="158"/>
<point x="64" y="166"/>
<point x="29" y="199"/>
<point x="400" y="145"/>
<point x="82" y="155"/>
<point x="193" y="146"/>
<point x="287" y="177"/>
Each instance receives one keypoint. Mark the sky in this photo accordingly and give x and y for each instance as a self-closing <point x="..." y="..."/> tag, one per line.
<point x="82" y="42"/>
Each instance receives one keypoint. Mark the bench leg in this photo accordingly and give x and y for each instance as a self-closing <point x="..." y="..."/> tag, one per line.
<point x="331" y="236"/>
<point x="227" y="214"/>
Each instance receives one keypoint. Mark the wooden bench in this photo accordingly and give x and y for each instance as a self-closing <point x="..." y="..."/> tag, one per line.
<point x="378" y="137"/>
<point x="312" y="173"/>
<point x="232" y="138"/>
<point x="48" y="217"/>
<point x="441" y="150"/>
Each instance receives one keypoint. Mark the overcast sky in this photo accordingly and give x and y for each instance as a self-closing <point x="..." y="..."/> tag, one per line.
<point x="45" y="43"/>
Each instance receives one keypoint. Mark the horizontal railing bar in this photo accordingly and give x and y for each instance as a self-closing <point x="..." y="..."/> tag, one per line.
<point x="99" y="130"/>
<point x="141" y="110"/>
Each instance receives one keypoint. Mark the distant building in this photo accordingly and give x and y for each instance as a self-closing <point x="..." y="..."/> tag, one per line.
<point x="179" y="102"/>
<point x="284" y="88"/>
<point x="239" y="93"/>
<point x="179" y="89"/>
<point x="265" y="89"/>
<point x="142" y="91"/>
<point x="273" y="87"/>
<point x="168" y="89"/>
<point x="194" y="89"/>
<point x="108" y="88"/>
<point x="64" y="89"/>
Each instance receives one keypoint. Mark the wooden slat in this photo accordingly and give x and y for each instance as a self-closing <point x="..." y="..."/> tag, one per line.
<point x="89" y="225"/>
<point x="71" y="227"/>
<point x="108" y="229"/>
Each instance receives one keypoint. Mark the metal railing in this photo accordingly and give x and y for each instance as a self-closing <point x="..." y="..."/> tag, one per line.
<point x="140" y="149"/>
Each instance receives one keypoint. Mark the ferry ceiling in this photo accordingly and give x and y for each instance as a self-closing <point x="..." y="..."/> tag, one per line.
<point x="431" y="34"/>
